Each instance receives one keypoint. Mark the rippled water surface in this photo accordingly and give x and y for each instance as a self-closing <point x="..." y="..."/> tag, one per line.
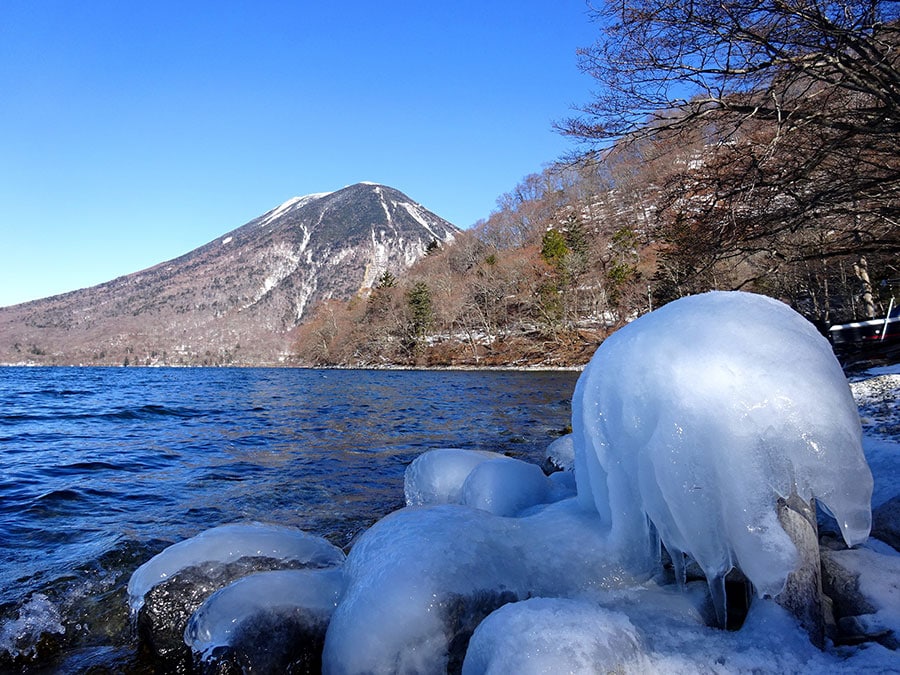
<point x="101" y="468"/>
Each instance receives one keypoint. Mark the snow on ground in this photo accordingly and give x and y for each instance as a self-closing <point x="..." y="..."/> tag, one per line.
<point x="877" y="392"/>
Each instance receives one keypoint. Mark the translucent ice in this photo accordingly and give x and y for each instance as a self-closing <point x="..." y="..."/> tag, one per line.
<point x="420" y="580"/>
<point x="306" y="596"/>
<point x="545" y="635"/>
<point x="505" y="486"/>
<point x="228" y="543"/>
<point x="561" y="453"/>
<point x="437" y="476"/>
<point x="485" y="480"/>
<point x="698" y="416"/>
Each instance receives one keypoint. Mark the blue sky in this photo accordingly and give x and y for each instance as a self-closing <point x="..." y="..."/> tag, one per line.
<point x="133" y="132"/>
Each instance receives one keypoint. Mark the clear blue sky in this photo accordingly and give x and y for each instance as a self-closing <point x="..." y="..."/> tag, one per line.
<point x="132" y="132"/>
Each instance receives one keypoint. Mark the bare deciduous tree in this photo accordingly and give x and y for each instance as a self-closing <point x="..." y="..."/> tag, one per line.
<point x="793" y="108"/>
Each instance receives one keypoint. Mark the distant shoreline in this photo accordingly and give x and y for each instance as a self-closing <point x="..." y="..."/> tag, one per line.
<point x="523" y="369"/>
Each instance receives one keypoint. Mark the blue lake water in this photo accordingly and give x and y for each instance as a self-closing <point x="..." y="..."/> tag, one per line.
<point x="101" y="468"/>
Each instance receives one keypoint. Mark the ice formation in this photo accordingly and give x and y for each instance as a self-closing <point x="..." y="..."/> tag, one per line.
<point x="561" y="453"/>
<point x="420" y="580"/>
<point x="307" y="595"/>
<point x="228" y="543"/>
<point x="505" y="486"/>
<point x="437" y="476"/>
<point x="549" y="635"/>
<point x="699" y="416"/>
<point x="489" y="481"/>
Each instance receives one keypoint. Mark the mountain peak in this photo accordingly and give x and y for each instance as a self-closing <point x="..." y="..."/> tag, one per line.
<point x="237" y="299"/>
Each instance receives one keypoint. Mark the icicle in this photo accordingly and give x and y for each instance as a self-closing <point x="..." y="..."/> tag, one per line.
<point x="679" y="566"/>
<point x="719" y="598"/>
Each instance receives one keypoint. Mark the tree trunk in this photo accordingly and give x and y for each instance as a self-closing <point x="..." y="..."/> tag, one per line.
<point x="861" y="269"/>
<point x="802" y="594"/>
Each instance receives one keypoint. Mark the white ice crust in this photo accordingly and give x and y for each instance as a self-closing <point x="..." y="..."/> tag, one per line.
<point x="489" y="481"/>
<point x="698" y="416"/>
<point x="437" y="476"/>
<point x="405" y="573"/>
<point x="314" y="592"/>
<point x="228" y="543"/>
<point x="550" y="635"/>
<point x="562" y="452"/>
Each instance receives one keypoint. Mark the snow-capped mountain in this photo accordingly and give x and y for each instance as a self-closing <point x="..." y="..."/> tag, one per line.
<point x="236" y="299"/>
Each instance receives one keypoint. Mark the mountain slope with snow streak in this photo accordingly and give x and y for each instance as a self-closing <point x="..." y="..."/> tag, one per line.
<point x="237" y="299"/>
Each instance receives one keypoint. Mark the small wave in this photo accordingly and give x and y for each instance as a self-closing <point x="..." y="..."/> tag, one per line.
<point x="139" y="413"/>
<point x="64" y="495"/>
<point x="67" y="501"/>
<point x="151" y="410"/>
<point x="38" y="616"/>
<point x="65" y="392"/>
<point x="82" y="467"/>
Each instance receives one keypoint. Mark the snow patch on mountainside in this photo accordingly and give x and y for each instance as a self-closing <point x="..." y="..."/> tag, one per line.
<point x="280" y="261"/>
<point x="380" y="256"/>
<point x="384" y="206"/>
<point x="302" y="299"/>
<point x="289" y="205"/>
<point x="416" y="214"/>
<point x="340" y="256"/>
<point x="305" y="241"/>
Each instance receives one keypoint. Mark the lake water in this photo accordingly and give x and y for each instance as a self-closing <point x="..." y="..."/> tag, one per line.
<point x="101" y="468"/>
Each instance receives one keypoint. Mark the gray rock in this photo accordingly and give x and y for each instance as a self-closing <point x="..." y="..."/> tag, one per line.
<point x="271" y="642"/>
<point x="886" y="522"/>
<point x="168" y="606"/>
<point x="854" y="615"/>
<point x="802" y="594"/>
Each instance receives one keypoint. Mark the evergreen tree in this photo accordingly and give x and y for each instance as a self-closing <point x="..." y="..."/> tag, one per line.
<point x="554" y="248"/>
<point x="386" y="280"/>
<point x="421" y="313"/>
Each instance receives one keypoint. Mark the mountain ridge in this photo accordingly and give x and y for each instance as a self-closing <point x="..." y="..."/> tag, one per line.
<point x="236" y="299"/>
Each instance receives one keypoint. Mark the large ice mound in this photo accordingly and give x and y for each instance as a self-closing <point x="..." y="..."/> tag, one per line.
<point x="693" y="420"/>
<point x="421" y="579"/>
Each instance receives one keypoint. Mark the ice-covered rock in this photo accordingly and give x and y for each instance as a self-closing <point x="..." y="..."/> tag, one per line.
<point x="420" y="580"/>
<point x="693" y="420"/>
<point x="865" y="587"/>
<point x="505" y="486"/>
<point x="228" y="543"/>
<point x="560" y="454"/>
<point x="166" y="590"/>
<point x="545" y="635"/>
<point x="489" y="481"/>
<point x="886" y="522"/>
<point x="266" y="622"/>
<point x="437" y="476"/>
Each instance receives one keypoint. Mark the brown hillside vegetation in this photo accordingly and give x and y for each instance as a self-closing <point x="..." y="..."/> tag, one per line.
<point x="737" y="145"/>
